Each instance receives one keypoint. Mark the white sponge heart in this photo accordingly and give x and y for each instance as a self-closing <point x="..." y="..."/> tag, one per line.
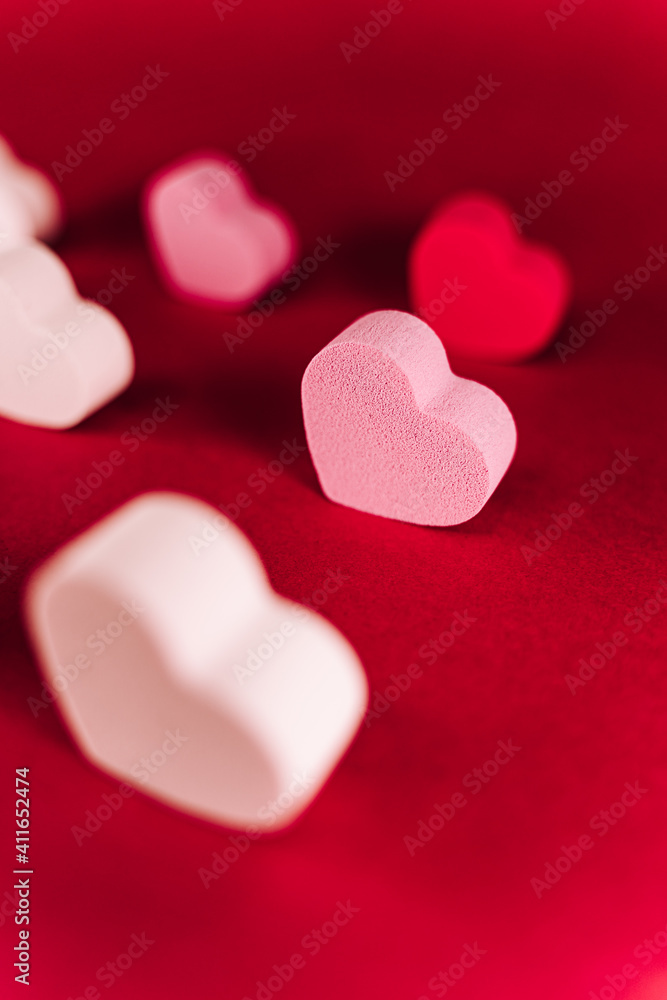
<point x="151" y="638"/>
<point x="30" y="206"/>
<point x="62" y="357"/>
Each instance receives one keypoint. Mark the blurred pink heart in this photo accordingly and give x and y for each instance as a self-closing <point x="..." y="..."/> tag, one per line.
<point x="214" y="241"/>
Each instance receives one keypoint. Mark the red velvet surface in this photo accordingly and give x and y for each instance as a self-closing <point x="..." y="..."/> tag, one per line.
<point x="535" y="617"/>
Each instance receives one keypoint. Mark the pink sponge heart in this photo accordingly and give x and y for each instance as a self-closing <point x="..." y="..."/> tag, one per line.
<point x="484" y="291"/>
<point x="392" y="431"/>
<point x="214" y="241"/>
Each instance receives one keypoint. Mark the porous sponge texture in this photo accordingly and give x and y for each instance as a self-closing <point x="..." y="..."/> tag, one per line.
<point x="392" y="431"/>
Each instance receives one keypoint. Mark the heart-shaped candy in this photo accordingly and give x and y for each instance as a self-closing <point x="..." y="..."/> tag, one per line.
<point x="213" y="240"/>
<point x="180" y="671"/>
<point x="62" y="357"/>
<point x="486" y="292"/>
<point x="30" y="205"/>
<point x="392" y="431"/>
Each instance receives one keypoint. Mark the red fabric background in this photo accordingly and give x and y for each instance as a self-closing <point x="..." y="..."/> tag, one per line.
<point x="504" y="679"/>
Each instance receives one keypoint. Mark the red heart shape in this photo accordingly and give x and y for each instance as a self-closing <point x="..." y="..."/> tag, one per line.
<point x="485" y="292"/>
